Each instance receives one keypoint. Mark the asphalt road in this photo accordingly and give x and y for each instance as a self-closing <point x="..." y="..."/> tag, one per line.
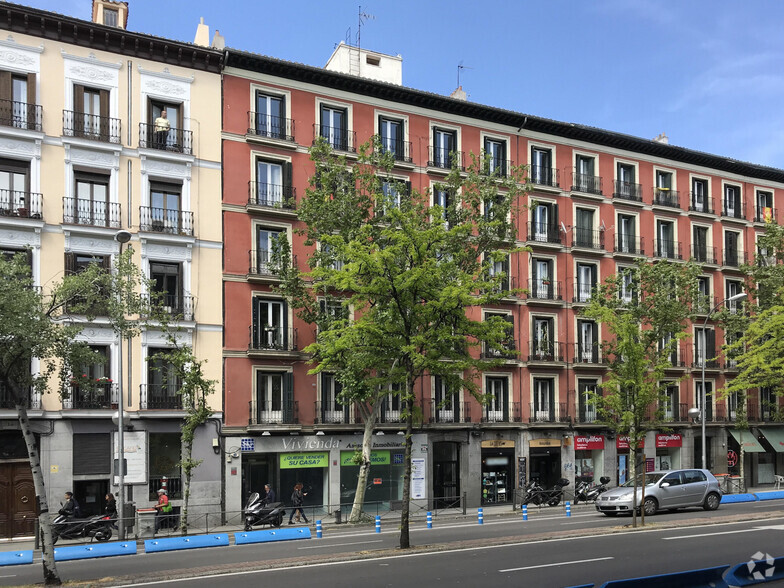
<point x="471" y="553"/>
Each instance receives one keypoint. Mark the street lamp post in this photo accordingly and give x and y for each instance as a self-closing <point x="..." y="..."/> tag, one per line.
<point x="121" y="237"/>
<point x="704" y="359"/>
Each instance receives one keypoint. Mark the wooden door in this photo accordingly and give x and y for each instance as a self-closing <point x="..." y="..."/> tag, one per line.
<point x="17" y="500"/>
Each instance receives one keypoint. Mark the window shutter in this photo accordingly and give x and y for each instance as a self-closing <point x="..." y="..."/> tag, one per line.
<point x="554" y="216"/>
<point x="408" y="188"/>
<point x="288" y="397"/>
<point x="534" y="276"/>
<point x="710" y="346"/>
<point x="6" y="92"/>
<point x="92" y="454"/>
<point x="70" y="263"/>
<point x="287" y="177"/>
<point x="594" y="276"/>
<point x="255" y="322"/>
<point x="104" y="103"/>
<point x="78" y="98"/>
<point x="30" y="90"/>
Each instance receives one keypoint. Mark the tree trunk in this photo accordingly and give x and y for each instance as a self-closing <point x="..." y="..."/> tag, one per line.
<point x="405" y="542"/>
<point x="51" y="577"/>
<point x="742" y="487"/>
<point x="187" y="451"/>
<point x="633" y="473"/>
<point x="364" y="468"/>
<point x="642" y="503"/>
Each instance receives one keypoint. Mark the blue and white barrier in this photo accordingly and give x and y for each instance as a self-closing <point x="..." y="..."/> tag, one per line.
<point x="319" y="532"/>
<point x="190" y="542"/>
<point x="525" y="512"/>
<point x="480" y="516"/>
<point x="378" y="524"/>
<point x="271" y="535"/>
<point x="429" y="520"/>
<point x="568" y="508"/>
<point x="773" y="495"/>
<point x="732" y="498"/>
<point x="16" y="558"/>
<point x="94" y="550"/>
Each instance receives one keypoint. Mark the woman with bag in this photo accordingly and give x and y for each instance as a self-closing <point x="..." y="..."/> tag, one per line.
<point x="297" y="498"/>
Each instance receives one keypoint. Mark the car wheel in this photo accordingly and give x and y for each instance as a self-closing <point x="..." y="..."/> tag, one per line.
<point x="712" y="501"/>
<point x="610" y="514"/>
<point x="650" y="506"/>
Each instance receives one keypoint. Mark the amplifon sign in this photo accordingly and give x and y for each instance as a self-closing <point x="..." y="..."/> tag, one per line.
<point x="588" y="442"/>
<point x="671" y="440"/>
<point x="622" y="442"/>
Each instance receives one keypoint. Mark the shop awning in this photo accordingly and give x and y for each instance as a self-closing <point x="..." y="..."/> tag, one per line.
<point x="747" y="441"/>
<point x="775" y="437"/>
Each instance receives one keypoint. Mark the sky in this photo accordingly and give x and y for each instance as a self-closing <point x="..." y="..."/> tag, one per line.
<point x="708" y="73"/>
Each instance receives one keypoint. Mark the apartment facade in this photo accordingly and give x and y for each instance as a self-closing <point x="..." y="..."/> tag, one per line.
<point x="600" y="201"/>
<point x="81" y="160"/>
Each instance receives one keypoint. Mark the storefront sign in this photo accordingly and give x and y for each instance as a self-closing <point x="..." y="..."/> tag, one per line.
<point x="376" y="458"/>
<point x="289" y="461"/>
<point x="248" y="444"/>
<point x="650" y="464"/>
<point x="495" y="443"/>
<point x="544" y="443"/>
<point x="588" y="442"/>
<point x="622" y="442"/>
<point x="418" y="478"/>
<point x="377" y="481"/>
<point x="135" y="454"/>
<point x="521" y="473"/>
<point x="664" y="441"/>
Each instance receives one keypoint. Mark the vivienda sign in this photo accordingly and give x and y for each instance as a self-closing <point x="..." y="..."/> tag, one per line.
<point x="671" y="440"/>
<point x="588" y="442"/>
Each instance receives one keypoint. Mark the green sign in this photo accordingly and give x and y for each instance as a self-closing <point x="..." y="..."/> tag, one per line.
<point x="290" y="461"/>
<point x="376" y="458"/>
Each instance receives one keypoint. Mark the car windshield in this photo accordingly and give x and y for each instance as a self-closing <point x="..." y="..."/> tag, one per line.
<point x="650" y="479"/>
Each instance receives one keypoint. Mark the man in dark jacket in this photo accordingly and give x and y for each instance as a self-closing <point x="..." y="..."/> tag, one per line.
<point x="70" y="507"/>
<point x="269" y="498"/>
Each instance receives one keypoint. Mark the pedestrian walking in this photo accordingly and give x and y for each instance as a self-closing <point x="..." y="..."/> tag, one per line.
<point x="297" y="498"/>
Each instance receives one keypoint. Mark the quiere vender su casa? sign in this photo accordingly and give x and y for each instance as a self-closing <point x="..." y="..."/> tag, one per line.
<point x="290" y="461"/>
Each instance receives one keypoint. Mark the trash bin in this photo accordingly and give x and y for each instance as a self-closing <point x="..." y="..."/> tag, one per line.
<point x="130" y="516"/>
<point x="145" y="524"/>
<point x="338" y="516"/>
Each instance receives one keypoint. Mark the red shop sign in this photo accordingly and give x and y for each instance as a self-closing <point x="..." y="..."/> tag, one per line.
<point x="671" y="440"/>
<point x="622" y="442"/>
<point x="588" y="442"/>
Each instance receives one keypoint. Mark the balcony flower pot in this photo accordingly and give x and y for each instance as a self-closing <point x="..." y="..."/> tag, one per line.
<point x="24" y="212"/>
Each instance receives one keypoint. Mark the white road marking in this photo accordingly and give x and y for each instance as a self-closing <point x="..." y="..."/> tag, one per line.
<point x="558" y="563"/>
<point x="323" y="546"/>
<point x="774" y="527"/>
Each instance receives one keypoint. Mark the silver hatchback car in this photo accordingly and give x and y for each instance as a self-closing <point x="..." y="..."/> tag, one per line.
<point x="669" y="490"/>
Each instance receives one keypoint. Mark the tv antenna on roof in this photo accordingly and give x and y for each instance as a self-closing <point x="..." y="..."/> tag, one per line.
<point x="361" y="18"/>
<point x="459" y="67"/>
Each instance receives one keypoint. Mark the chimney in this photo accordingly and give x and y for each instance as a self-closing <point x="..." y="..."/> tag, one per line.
<point x="110" y="13"/>
<point x="459" y="94"/>
<point x="218" y="42"/>
<point x="202" y="34"/>
<point x="661" y="138"/>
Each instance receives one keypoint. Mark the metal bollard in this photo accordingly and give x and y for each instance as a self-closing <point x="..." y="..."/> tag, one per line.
<point x="480" y="515"/>
<point x="525" y="512"/>
<point x="378" y="523"/>
<point x="318" y="529"/>
<point x="568" y="508"/>
<point x="429" y="520"/>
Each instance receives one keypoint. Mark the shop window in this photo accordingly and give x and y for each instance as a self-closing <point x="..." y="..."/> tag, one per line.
<point x="164" y="459"/>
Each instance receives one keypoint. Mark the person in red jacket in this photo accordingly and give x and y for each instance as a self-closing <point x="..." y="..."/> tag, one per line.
<point x="163" y="507"/>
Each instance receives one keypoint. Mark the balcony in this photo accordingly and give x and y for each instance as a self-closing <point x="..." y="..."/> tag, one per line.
<point x="509" y="413"/>
<point x="586" y="183"/>
<point x="627" y="245"/>
<point x="543" y="233"/>
<point x="732" y="211"/>
<point x="507" y="351"/>
<point x="91" y="213"/>
<point x="272" y="196"/>
<point x="711" y="362"/>
<point x="555" y="412"/>
<point x="761" y="214"/>
<point x="262" y="266"/>
<point x="7" y="401"/>
<point x="334" y="413"/>
<point x="586" y="413"/>
<point x="338" y="138"/>
<point x="160" y="397"/>
<point x="544" y="290"/>
<point x="627" y="191"/>
<point x="274" y="412"/>
<point x="270" y="127"/>
<point x="701" y="203"/>
<point x="14" y="203"/>
<point x="507" y="283"/>
<point x="704" y="254"/>
<point x="587" y="355"/>
<point x="582" y="293"/>
<point x="496" y="167"/>
<point x="542" y="351"/>
<point x="20" y="115"/>
<point x="666" y="197"/>
<point x="84" y="394"/>
<point x="166" y="221"/>
<point x="704" y="304"/>
<point x="265" y="338"/>
<point x="173" y="140"/>
<point x="734" y="258"/>
<point x="446" y="412"/>
<point x="441" y="158"/>
<point x="667" y="249"/>
<point x="176" y="306"/>
<point x="400" y="150"/>
<point x="390" y="414"/>
<point x="752" y="411"/>
<point x="588" y="239"/>
<point x="91" y="126"/>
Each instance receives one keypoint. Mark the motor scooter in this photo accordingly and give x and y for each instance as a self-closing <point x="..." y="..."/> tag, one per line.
<point x="588" y="492"/>
<point x="98" y="527"/>
<point x="534" y="494"/>
<point x="259" y="512"/>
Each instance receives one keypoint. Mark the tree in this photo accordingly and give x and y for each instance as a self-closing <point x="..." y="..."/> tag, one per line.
<point x="408" y="271"/>
<point x="644" y="322"/>
<point x="45" y="325"/>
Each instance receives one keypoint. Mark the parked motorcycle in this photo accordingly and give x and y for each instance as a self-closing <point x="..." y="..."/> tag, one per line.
<point x="259" y="512"/>
<point x="588" y="492"/>
<point x="534" y="494"/>
<point x="98" y="527"/>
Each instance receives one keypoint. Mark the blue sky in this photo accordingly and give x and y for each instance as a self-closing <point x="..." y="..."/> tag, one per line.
<point x="707" y="72"/>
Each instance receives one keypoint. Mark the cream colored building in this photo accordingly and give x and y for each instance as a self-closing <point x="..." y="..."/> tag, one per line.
<point x="81" y="158"/>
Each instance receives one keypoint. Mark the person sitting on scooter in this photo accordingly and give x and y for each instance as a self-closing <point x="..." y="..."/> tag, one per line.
<point x="269" y="497"/>
<point x="70" y="508"/>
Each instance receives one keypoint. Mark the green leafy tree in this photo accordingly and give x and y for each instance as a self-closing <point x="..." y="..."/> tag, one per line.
<point x="645" y="311"/>
<point x="405" y="272"/>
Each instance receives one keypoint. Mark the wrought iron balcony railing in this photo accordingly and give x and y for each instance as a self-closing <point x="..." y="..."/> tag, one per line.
<point x="545" y="176"/>
<point x="732" y="210"/>
<point x="173" y="140"/>
<point x="21" y="204"/>
<point x="400" y="150"/>
<point x="267" y="338"/>
<point x="166" y="220"/>
<point x="270" y="127"/>
<point x="667" y="249"/>
<point x="544" y="289"/>
<point x="93" y="213"/>
<point x="627" y="191"/>
<point x="272" y="195"/>
<point x="274" y="412"/>
<point x="734" y="258"/>
<point x="586" y="183"/>
<point x="587" y="238"/>
<point x="508" y="413"/>
<point x="178" y="306"/>
<point x="549" y="412"/>
<point x="446" y="412"/>
<point x="587" y="354"/>
<point x="20" y="115"/>
<point x="666" y="197"/>
<point x="160" y="396"/>
<point x="545" y="351"/>
<point x="91" y="126"/>
<point x="701" y="203"/>
<point x="704" y="254"/>
<point x="628" y="244"/>
<point x="91" y="395"/>
<point x="543" y="233"/>
<point x="446" y="159"/>
<point x="338" y="138"/>
<point x="762" y="213"/>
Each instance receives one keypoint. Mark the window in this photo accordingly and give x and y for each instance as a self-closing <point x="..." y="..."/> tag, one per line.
<point x="17" y="101"/>
<point x="544" y="223"/>
<point x="446" y="200"/>
<point x="334" y="127"/>
<point x="586" y="390"/>
<point x="273" y="184"/>
<point x="332" y="410"/>
<point x="627" y="234"/>
<point x="271" y="116"/>
<point x="666" y="342"/>
<point x="704" y="347"/>
<point x="110" y="17"/>
<point x="167" y="285"/>
<point x="764" y="208"/>
<point x="274" y="397"/>
<point x="585" y="179"/>
<point x="164" y="458"/>
<point x="76" y="263"/>
<point x="91" y="388"/>
<point x="708" y="398"/>
<point x="393" y="192"/>
<point x="91" y="205"/>
<point x="497" y="391"/>
<point x="544" y="342"/>
<point x="162" y="380"/>
<point x="732" y="205"/>
<point x="500" y="269"/>
<point x="541" y="166"/>
<point x="664" y="195"/>
<point x="700" y="248"/>
<point x="508" y="345"/>
<point x="447" y="401"/>
<point x="626" y="186"/>
<point x="444" y="147"/>
<point x="731" y="253"/>
<point x="495" y="152"/>
<point x="91" y="114"/>
<point x="704" y="299"/>
<point x="165" y="209"/>
<point x="583" y="232"/>
<point x="628" y="289"/>
<point x="665" y="246"/>
<point x="542" y="285"/>
<point x="670" y="403"/>
<point x="543" y="409"/>
<point x="14" y="188"/>
<point x="699" y="195"/>
<point x="270" y="325"/>
<point x="9" y="254"/>
<point x="390" y="405"/>
<point x="768" y="403"/>
<point x="391" y="134"/>
<point x="265" y="240"/>
<point x="663" y="181"/>
<point x="732" y="288"/>
<point x="586" y="281"/>
<point x="587" y="342"/>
